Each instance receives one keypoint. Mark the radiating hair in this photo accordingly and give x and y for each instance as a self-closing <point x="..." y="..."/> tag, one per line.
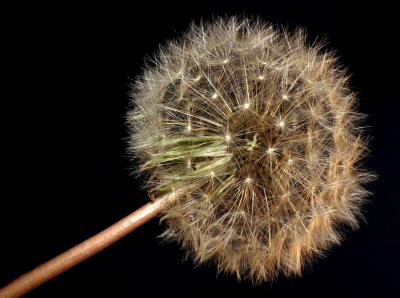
<point x="262" y="130"/>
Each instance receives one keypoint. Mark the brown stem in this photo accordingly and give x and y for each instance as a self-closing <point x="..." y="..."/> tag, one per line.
<point x="86" y="249"/>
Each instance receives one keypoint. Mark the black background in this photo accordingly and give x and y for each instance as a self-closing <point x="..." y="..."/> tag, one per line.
<point x="66" y="174"/>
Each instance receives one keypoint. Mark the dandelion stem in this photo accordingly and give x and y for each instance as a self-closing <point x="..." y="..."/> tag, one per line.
<point x="87" y="248"/>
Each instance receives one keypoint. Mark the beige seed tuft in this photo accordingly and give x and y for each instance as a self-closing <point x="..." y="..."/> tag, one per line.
<point x="268" y="197"/>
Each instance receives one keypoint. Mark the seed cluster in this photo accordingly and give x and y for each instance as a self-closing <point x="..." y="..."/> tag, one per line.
<point x="261" y="130"/>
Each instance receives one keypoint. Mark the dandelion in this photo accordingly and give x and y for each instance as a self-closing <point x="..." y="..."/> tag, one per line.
<point x="251" y="143"/>
<point x="288" y="212"/>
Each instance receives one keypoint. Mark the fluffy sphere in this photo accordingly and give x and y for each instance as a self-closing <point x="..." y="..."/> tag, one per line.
<point x="261" y="130"/>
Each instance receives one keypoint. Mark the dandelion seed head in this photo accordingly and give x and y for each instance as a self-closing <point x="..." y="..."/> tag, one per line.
<point x="274" y="197"/>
